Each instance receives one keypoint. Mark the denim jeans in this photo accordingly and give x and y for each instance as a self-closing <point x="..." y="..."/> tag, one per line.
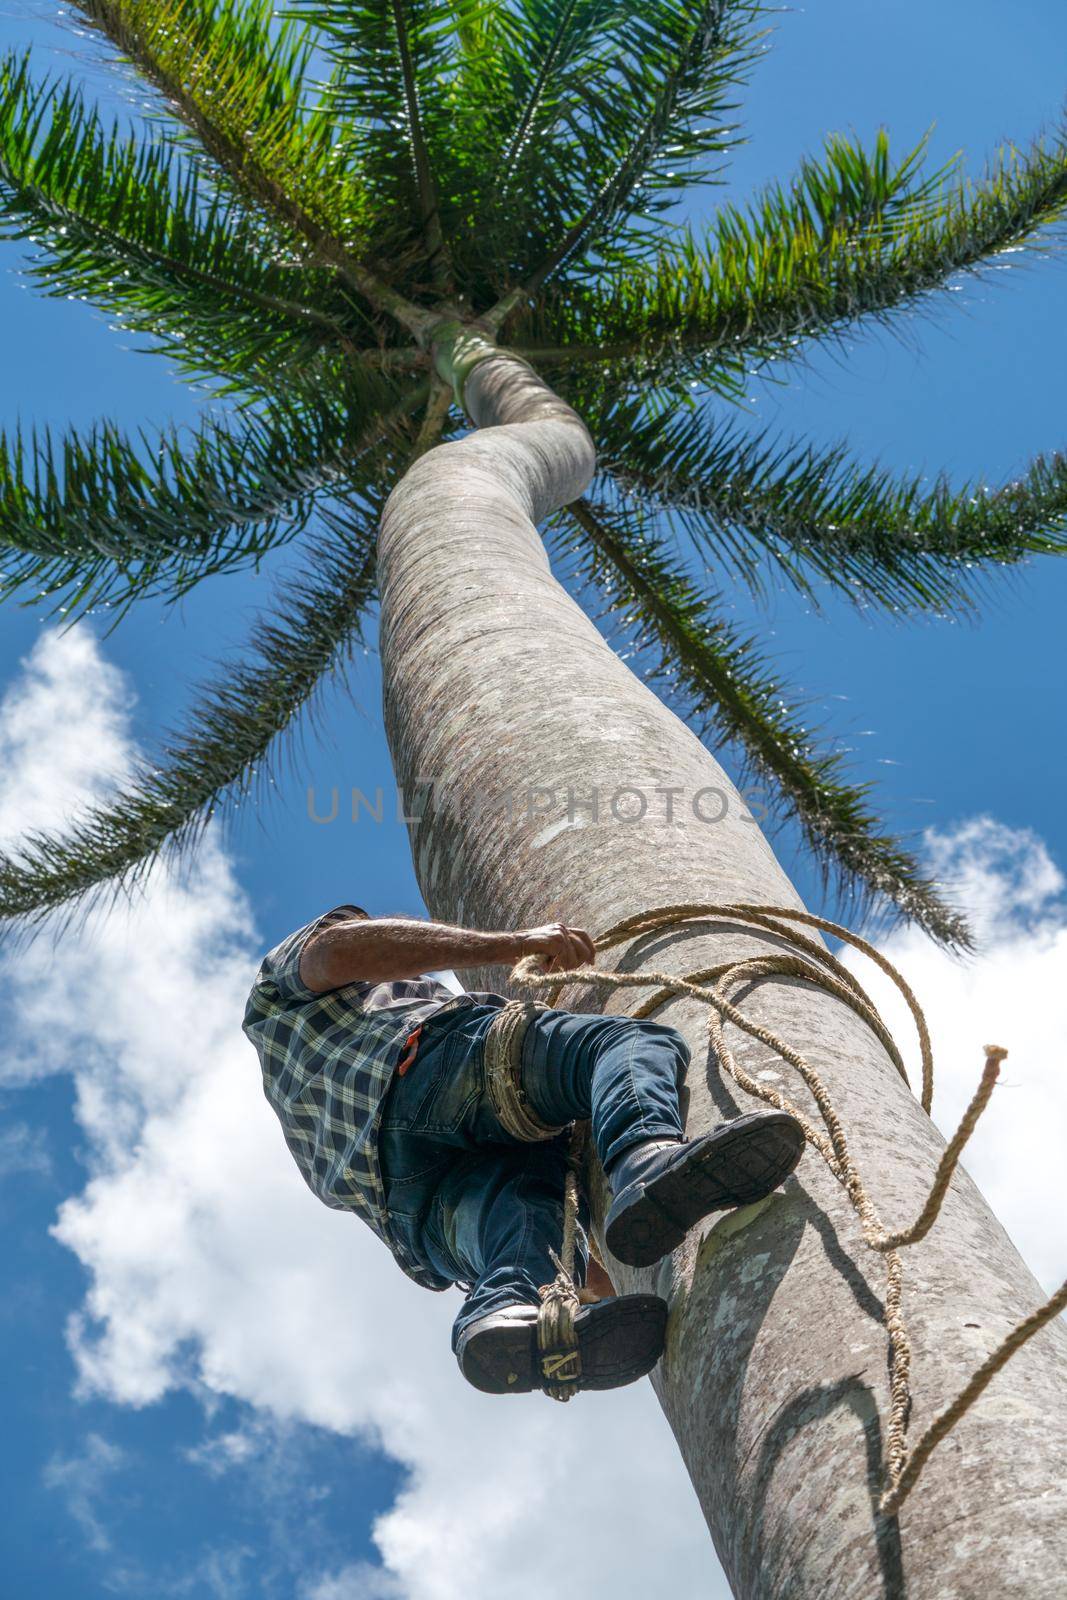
<point x="476" y="1206"/>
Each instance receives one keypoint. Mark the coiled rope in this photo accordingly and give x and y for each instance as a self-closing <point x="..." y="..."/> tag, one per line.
<point x="815" y="965"/>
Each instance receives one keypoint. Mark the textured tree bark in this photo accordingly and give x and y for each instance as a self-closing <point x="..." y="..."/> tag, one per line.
<point x="774" y="1382"/>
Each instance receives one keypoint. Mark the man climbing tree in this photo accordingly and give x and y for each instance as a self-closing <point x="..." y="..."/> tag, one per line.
<point x="462" y="1177"/>
<point x="375" y="272"/>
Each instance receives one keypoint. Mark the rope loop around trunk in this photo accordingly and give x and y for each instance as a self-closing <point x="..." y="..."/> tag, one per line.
<point x="810" y="961"/>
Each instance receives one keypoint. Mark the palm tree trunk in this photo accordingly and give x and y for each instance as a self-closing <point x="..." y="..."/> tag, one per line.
<point x="509" y="720"/>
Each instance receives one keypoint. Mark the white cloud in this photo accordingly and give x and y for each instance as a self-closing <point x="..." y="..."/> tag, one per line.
<point x="63" y="732"/>
<point x="24" y="1150"/>
<point x="358" y="1581"/>
<point x="212" y="1267"/>
<point x="82" y="1479"/>
<point x="218" y="1455"/>
<point x="1012" y="993"/>
<point x="227" y="1572"/>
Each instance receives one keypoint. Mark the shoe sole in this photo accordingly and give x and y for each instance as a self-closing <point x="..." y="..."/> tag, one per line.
<point x="736" y="1166"/>
<point x="619" y="1341"/>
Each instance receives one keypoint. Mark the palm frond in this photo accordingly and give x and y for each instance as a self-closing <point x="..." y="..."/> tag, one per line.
<point x="553" y="35"/>
<point x="237" y="78"/>
<point x="231" y="738"/>
<point x="655" y="108"/>
<point x="220" y="753"/>
<point x="698" y="60"/>
<point x="852" y="237"/>
<point x="394" y="63"/>
<point x="885" y="539"/>
<point x="129" y="227"/>
<point x="716" y="678"/>
<point x="556" y="136"/>
<point x="100" y="519"/>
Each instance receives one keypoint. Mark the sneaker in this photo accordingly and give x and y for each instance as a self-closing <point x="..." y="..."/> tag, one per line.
<point x="619" y="1341"/>
<point x="664" y="1187"/>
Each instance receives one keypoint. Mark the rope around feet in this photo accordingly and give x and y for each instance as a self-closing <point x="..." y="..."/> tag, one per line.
<point x="557" y="1335"/>
<point x="815" y="965"/>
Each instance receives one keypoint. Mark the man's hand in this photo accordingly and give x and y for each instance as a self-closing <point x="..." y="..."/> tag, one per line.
<point x="558" y="946"/>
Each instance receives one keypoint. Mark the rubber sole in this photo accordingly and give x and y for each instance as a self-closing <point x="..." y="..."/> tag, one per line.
<point x="734" y="1166"/>
<point x="619" y="1341"/>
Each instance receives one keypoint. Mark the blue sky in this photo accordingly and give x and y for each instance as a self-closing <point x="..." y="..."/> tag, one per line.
<point x="114" y="1489"/>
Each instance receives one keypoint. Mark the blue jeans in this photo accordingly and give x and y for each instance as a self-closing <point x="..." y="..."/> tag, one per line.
<point x="476" y="1206"/>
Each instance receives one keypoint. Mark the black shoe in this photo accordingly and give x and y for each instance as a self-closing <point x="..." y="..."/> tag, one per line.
<point x="663" y="1188"/>
<point x="618" y="1342"/>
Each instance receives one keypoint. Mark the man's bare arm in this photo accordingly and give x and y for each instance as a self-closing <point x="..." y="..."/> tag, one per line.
<point x="381" y="949"/>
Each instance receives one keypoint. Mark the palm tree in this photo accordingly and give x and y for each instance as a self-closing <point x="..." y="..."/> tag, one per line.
<point x="361" y="226"/>
<point x="310" y="251"/>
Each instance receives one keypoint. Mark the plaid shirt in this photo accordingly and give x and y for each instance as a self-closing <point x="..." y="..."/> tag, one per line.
<point x="328" y="1060"/>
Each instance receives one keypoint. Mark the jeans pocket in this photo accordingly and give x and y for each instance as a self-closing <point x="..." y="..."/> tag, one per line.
<point x="457" y="1081"/>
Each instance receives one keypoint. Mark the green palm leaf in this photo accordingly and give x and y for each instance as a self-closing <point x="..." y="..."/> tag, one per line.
<point x="852" y="237"/>
<point x="394" y="60"/>
<point x="132" y="228"/>
<point x="526" y="128"/>
<point x="100" y="519"/>
<point x="232" y="735"/>
<point x="236" y="79"/>
<point x="717" y="678"/>
<point x="817" y="514"/>
<point x="652" y="118"/>
<point x="682" y="124"/>
<point x="219" y="754"/>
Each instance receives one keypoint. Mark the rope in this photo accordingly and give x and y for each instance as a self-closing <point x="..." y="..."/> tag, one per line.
<point x="817" y="966"/>
<point x="503" y="1072"/>
<point x="946" y="1420"/>
<point x="557" y="1336"/>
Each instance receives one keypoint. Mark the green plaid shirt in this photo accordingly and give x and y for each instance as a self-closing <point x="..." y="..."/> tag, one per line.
<point x="328" y="1060"/>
